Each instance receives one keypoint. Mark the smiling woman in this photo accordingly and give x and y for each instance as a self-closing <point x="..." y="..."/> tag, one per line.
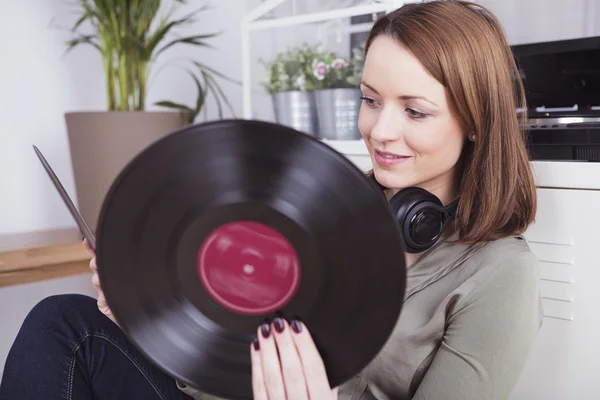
<point x="407" y="121"/>
<point x="439" y="112"/>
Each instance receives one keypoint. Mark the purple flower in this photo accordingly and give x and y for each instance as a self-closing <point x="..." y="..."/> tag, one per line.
<point x="339" y="63"/>
<point x="320" y="70"/>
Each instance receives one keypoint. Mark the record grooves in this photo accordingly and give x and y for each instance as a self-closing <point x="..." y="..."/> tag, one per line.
<point x="219" y="225"/>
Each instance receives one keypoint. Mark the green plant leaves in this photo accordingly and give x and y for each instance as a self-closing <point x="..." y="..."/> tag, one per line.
<point x="308" y="67"/>
<point x="291" y="69"/>
<point x="195" y="40"/>
<point x="130" y="36"/>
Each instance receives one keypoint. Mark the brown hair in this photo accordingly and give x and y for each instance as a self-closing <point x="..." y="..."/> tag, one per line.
<point x="463" y="46"/>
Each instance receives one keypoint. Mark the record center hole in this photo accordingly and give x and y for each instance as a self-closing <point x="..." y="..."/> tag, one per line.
<point x="248" y="269"/>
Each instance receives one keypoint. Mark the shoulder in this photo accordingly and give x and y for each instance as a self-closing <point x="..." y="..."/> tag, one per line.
<point x="506" y="279"/>
<point x="502" y="261"/>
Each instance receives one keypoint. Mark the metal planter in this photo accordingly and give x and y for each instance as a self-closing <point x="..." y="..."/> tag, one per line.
<point x="338" y="113"/>
<point x="297" y="110"/>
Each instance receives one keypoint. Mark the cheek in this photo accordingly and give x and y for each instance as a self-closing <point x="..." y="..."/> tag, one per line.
<point x="440" y="141"/>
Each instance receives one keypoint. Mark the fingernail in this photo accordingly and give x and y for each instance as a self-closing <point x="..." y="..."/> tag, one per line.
<point x="296" y="326"/>
<point x="265" y="330"/>
<point x="279" y="325"/>
<point x="256" y="344"/>
<point x="82" y="238"/>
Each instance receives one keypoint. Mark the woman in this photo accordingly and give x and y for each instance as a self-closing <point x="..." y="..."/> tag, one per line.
<point x="439" y="112"/>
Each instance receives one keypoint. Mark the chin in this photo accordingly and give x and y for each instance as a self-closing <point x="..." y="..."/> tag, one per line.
<point x="388" y="178"/>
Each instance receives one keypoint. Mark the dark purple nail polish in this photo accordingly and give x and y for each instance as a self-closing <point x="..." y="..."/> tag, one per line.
<point x="296" y="326"/>
<point x="256" y="344"/>
<point x="279" y="325"/>
<point x="265" y="329"/>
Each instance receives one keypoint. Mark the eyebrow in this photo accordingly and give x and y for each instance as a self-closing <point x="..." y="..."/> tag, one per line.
<point x="405" y="97"/>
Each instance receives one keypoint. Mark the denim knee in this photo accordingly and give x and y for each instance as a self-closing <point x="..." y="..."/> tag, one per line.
<point x="56" y="308"/>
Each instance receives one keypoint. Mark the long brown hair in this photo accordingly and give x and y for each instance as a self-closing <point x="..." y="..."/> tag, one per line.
<point x="463" y="46"/>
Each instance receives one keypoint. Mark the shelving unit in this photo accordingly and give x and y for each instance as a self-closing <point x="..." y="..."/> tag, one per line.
<point x="258" y="20"/>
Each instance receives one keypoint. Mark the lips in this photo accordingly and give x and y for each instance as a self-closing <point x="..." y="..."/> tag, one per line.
<point x="385" y="158"/>
<point x="390" y="155"/>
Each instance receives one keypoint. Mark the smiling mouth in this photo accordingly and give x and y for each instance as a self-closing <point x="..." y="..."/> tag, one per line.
<point x="390" y="156"/>
<point x="386" y="159"/>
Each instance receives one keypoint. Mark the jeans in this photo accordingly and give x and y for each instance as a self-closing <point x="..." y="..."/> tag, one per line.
<point x="68" y="350"/>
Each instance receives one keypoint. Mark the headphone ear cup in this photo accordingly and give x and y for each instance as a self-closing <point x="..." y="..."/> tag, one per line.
<point x="414" y="209"/>
<point x="405" y="200"/>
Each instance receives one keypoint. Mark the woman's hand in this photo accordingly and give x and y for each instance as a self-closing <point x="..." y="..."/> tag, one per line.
<point x="102" y="305"/>
<point x="286" y="364"/>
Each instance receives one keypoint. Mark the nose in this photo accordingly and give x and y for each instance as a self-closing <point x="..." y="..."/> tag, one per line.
<point x="387" y="127"/>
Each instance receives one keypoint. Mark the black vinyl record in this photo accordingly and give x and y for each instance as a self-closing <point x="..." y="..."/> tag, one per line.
<point x="217" y="226"/>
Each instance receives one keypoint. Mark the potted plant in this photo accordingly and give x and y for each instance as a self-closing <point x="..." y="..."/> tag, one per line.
<point x="337" y="94"/>
<point x="290" y="84"/>
<point x="130" y="36"/>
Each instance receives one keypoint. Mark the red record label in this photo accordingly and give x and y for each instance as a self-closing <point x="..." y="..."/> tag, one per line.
<point x="248" y="268"/>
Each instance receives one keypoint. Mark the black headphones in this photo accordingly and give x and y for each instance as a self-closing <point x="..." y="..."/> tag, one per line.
<point x="421" y="216"/>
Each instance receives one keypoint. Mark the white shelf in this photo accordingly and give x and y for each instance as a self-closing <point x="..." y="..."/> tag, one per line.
<point x="348" y="147"/>
<point x="567" y="174"/>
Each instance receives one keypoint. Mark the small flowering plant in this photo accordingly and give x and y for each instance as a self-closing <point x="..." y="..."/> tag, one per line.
<point x="331" y="71"/>
<point x="292" y="69"/>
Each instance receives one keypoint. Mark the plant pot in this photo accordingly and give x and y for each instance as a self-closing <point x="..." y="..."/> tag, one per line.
<point x="103" y="143"/>
<point x="297" y="110"/>
<point x="338" y="113"/>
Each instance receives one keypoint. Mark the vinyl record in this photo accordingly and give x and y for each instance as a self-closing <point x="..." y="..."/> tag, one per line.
<point x="217" y="226"/>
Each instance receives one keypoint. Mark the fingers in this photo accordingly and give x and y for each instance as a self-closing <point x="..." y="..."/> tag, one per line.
<point x="87" y="246"/>
<point x="93" y="265"/>
<point x="258" y="384"/>
<point x="101" y="302"/>
<point x="291" y="365"/>
<point x="96" y="282"/>
<point x="312" y="363"/>
<point x="271" y="369"/>
<point x="104" y="308"/>
<point x="286" y="364"/>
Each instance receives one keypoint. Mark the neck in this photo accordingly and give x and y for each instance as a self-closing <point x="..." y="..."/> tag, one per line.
<point x="446" y="193"/>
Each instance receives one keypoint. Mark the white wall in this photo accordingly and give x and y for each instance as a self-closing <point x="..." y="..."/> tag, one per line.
<point x="38" y="85"/>
<point x="528" y="21"/>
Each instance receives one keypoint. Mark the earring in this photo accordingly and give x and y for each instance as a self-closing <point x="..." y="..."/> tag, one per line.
<point x="473" y="137"/>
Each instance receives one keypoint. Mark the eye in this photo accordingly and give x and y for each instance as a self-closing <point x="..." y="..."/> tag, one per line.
<point x="369" y="101"/>
<point x="416" y="114"/>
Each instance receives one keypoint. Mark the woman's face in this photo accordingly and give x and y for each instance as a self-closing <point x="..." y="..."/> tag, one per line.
<point x="405" y="119"/>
